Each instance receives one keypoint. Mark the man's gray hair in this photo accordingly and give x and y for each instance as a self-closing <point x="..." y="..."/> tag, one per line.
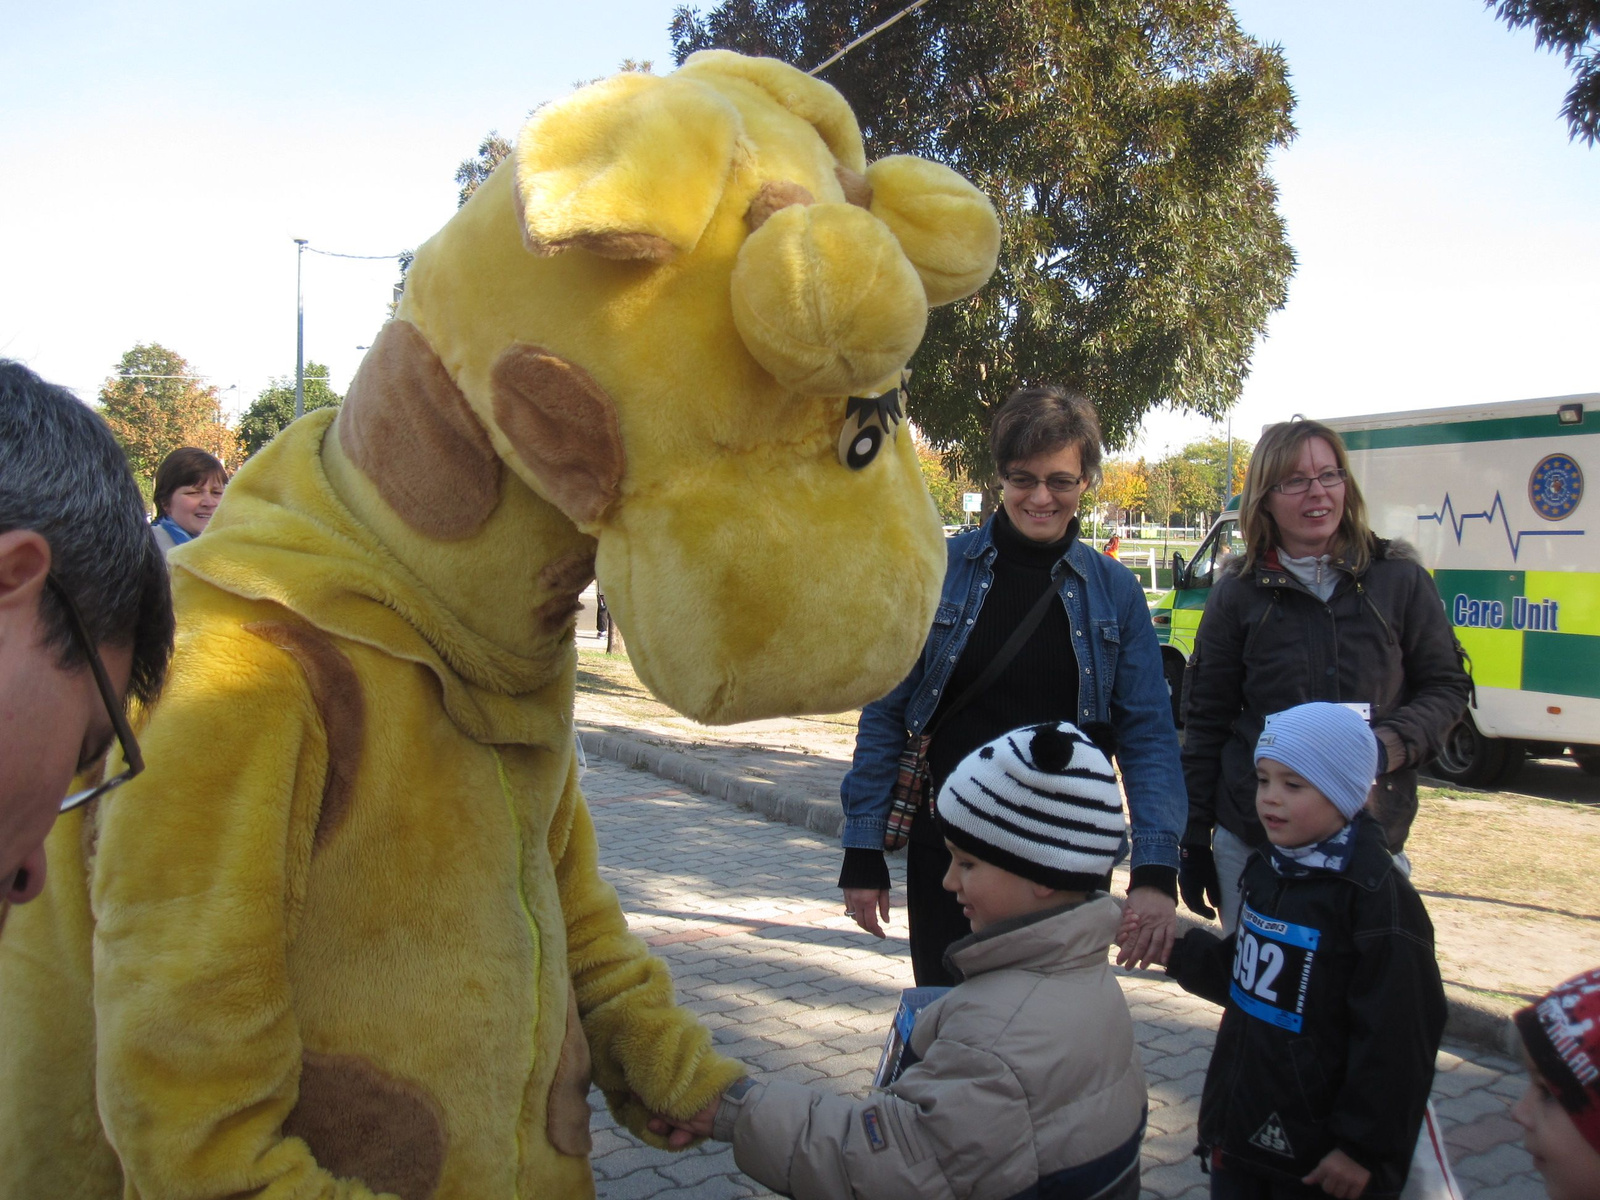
<point x="63" y="476"/>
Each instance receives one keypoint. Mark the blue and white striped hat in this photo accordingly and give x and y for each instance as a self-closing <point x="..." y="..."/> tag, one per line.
<point x="1040" y="802"/>
<point x="1329" y="746"/>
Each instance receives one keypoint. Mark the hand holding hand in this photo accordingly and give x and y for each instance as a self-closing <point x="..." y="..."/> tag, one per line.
<point x="680" y="1132"/>
<point x="868" y="906"/>
<point x="1340" y="1176"/>
<point x="1149" y="927"/>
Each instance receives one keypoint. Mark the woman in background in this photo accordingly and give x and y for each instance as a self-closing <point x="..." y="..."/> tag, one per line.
<point x="189" y="485"/>
<point x="1317" y="607"/>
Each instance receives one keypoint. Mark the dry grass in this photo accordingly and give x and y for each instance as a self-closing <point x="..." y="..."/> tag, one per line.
<point x="1509" y="848"/>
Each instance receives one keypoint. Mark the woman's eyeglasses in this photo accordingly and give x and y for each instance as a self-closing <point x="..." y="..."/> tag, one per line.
<point x="1059" y="484"/>
<point x="108" y="695"/>
<point x="1296" y="484"/>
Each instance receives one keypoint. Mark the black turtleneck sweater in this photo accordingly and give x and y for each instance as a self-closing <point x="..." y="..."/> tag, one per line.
<point x="1039" y="684"/>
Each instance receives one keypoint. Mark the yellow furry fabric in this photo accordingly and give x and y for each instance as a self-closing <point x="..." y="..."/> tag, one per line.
<point x="751" y="573"/>
<point x="348" y="933"/>
<point x="288" y="996"/>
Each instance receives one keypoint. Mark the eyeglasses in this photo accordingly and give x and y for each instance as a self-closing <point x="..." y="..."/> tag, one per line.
<point x="1058" y="484"/>
<point x="108" y="695"/>
<point x="1295" y="484"/>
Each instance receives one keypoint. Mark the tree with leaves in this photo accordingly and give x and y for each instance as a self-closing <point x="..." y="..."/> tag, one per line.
<point x="155" y="403"/>
<point x="273" y="410"/>
<point x="1124" y="144"/>
<point x="1121" y="490"/>
<point x="1209" y="457"/>
<point x="1572" y="29"/>
<point x="945" y="486"/>
<point x="492" y="151"/>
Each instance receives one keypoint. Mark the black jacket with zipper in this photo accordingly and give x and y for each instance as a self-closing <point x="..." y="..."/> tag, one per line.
<point x="1266" y="643"/>
<point x="1334" y="1011"/>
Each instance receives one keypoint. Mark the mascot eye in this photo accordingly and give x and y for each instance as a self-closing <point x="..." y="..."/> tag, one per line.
<point x="867" y="422"/>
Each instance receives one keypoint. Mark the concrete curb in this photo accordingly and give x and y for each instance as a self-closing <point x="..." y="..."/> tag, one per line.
<point x="1471" y="1019"/>
<point x="773" y="800"/>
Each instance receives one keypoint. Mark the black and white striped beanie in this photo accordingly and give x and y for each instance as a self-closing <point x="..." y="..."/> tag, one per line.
<point x="1040" y="802"/>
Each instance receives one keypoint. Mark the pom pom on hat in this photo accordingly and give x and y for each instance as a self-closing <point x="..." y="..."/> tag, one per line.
<point x="1327" y="745"/>
<point x="1562" y="1034"/>
<point x="1040" y="802"/>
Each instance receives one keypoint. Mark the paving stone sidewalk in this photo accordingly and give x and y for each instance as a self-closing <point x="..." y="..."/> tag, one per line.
<point x="746" y="913"/>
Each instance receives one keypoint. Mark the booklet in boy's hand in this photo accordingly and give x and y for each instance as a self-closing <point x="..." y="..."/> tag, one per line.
<point x="897" y="1051"/>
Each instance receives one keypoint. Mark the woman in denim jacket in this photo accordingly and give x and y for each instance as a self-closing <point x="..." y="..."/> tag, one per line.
<point x="1093" y="657"/>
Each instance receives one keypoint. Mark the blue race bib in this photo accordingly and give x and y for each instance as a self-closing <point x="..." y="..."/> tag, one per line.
<point x="1272" y="962"/>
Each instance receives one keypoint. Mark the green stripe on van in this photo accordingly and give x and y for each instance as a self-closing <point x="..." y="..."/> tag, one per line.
<point x="1502" y="429"/>
<point x="1565" y="663"/>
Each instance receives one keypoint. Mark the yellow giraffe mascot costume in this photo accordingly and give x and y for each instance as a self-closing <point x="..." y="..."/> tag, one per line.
<point x="345" y="936"/>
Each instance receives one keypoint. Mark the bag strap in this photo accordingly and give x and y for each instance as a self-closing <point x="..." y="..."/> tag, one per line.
<point x="1002" y="658"/>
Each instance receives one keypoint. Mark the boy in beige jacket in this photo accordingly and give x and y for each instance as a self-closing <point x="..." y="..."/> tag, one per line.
<point x="1027" y="1081"/>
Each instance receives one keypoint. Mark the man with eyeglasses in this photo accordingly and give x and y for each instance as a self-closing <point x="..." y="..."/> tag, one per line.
<point x="85" y="615"/>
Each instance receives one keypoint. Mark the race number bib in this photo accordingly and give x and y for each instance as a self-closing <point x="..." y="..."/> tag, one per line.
<point x="1272" y="969"/>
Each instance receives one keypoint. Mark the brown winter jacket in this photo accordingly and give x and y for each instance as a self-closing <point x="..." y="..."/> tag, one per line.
<point x="1027" y="1070"/>
<point x="1266" y="643"/>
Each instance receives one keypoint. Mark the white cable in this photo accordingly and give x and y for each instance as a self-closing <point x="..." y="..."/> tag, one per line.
<point x="866" y="37"/>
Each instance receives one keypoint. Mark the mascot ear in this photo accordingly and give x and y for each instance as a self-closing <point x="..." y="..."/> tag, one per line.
<point x="632" y="167"/>
<point x="946" y="226"/>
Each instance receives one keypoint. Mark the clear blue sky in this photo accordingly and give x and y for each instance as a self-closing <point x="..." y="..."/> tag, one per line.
<point x="156" y="162"/>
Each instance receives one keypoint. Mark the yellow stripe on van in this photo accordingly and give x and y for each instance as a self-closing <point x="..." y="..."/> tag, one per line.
<point x="1496" y="656"/>
<point x="1578" y="594"/>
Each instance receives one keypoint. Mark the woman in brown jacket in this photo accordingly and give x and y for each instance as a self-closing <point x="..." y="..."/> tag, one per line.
<point x="1316" y="608"/>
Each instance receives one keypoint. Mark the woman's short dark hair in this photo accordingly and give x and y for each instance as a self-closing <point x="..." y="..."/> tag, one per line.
<point x="185" y="467"/>
<point x="1044" y="419"/>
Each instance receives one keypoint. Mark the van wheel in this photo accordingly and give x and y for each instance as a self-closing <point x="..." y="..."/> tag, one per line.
<point x="1587" y="758"/>
<point x="1469" y="758"/>
<point x="1172" y="667"/>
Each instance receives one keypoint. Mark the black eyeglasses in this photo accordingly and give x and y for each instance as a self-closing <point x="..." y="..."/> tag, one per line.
<point x="108" y="694"/>
<point x="1295" y="484"/>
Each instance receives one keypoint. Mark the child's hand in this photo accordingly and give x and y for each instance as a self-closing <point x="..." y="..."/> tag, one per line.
<point x="1149" y="927"/>
<point x="1340" y="1176"/>
<point x="679" y="1133"/>
<point x="1129" y="926"/>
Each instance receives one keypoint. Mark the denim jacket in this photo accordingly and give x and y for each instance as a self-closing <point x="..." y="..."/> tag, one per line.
<point x="1121" y="683"/>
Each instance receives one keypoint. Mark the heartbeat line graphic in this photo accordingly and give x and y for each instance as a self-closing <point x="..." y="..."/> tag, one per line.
<point x="1458" y="522"/>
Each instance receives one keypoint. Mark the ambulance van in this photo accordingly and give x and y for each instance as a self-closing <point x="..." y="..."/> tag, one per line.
<point x="1494" y="499"/>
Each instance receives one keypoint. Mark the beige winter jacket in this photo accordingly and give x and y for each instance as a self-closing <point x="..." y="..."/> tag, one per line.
<point x="1028" y="1069"/>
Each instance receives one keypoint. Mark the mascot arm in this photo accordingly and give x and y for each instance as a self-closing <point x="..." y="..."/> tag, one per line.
<point x="200" y="873"/>
<point x="649" y="1055"/>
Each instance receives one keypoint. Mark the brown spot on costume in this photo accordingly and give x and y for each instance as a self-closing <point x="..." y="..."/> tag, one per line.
<point x="563" y="426"/>
<point x="364" y="1124"/>
<point x="857" y="190"/>
<point x="567" y="1114"/>
<point x="773" y="196"/>
<point x="336" y="692"/>
<point x="409" y="429"/>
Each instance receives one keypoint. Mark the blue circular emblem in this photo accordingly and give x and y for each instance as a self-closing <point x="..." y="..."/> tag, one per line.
<point x="1555" y="487"/>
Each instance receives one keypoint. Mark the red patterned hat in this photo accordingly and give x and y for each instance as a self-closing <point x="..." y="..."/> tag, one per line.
<point x="1562" y="1034"/>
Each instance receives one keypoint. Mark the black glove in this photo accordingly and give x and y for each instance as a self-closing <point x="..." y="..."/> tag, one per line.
<point x="1197" y="880"/>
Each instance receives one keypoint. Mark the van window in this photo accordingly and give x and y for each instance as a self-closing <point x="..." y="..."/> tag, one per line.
<point x="1221" y="545"/>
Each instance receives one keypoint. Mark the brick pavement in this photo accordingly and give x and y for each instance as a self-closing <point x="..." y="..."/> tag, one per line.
<point x="746" y="913"/>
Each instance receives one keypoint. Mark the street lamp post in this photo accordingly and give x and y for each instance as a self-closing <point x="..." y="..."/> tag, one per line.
<point x="1227" y="477"/>
<point x="299" y="333"/>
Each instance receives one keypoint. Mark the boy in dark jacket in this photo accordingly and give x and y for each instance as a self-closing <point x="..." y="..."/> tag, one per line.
<point x="1325" y="1056"/>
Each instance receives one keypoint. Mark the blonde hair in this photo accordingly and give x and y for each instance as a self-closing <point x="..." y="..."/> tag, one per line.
<point x="1275" y="459"/>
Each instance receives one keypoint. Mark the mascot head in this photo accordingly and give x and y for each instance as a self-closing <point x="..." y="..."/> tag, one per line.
<point x="682" y="312"/>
